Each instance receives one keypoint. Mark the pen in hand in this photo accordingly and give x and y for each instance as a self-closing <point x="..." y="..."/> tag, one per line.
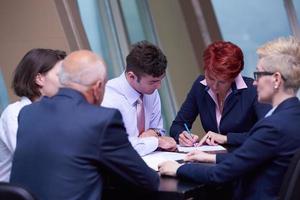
<point x="189" y="132"/>
<point x="187" y="129"/>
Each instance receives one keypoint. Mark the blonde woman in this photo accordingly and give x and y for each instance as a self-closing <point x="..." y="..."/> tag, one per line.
<point x="258" y="166"/>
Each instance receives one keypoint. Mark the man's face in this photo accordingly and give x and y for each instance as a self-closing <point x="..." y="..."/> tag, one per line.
<point x="147" y="84"/>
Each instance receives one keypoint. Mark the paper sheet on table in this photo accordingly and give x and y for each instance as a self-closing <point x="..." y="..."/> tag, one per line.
<point x="157" y="157"/>
<point x="201" y="148"/>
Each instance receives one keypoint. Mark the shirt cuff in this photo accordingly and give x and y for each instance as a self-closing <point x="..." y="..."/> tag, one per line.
<point x="145" y="145"/>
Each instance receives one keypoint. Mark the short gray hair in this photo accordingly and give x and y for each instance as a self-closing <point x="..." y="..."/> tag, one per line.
<point x="283" y="45"/>
<point x="84" y="77"/>
<point x="287" y="65"/>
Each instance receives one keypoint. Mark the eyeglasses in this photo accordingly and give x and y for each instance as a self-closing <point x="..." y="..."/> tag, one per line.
<point x="258" y="75"/>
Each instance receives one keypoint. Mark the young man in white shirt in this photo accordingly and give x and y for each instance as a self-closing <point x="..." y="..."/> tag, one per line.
<point x="134" y="93"/>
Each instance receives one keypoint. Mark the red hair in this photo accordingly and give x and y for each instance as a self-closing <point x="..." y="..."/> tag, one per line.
<point x="223" y="59"/>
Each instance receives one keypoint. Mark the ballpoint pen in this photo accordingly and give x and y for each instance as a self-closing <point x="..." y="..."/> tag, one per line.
<point x="188" y="130"/>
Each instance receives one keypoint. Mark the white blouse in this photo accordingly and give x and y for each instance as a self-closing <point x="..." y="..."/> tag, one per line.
<point x="8" y="136"/>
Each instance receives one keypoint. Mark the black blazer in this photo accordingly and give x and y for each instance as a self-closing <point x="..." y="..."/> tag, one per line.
<point x="241" y="110"/>
<point x="260" y="163"/>
<point x="64" y="145"/>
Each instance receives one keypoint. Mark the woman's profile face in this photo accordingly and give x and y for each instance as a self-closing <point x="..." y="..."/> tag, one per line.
<point x="218" y="85"/>
<point x="265" y="85"/>
<point x="50" y="82"/>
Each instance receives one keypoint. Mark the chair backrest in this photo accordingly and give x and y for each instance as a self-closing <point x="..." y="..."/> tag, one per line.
<point x="12" y="192"/>
<point x="290" y="188"/>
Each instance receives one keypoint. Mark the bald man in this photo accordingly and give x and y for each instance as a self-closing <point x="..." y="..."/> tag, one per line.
<point x="65" y="143"/>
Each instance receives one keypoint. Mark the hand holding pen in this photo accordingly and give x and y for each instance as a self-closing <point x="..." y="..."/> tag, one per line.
<point x="186" y="138"/>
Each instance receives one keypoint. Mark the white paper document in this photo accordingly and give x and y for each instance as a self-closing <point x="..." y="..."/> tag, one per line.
<point x="201" y="148"/>
<point x="157" y="157"/>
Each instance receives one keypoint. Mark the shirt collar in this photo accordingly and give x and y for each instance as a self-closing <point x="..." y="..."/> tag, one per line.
<point x="25" y="100"/>
<point x="128" y="91"/>
<point x="270" y="112"/>
<point x="239" y="82"/>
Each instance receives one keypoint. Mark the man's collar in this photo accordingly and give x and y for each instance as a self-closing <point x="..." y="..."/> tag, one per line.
<point x="128" y="91"/>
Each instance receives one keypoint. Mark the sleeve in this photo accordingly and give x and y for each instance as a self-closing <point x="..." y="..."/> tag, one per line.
<point x="9" y="121"/>
<point x="186" y="115"/>
<point x="145" y="145"/>
<point x="237" y="139"/>
<point x="221" y="157"/>
<point x="260" y="111"/>
<point x="258" y="149"/>
<point x="119" y="157"/>
<point x="156" y="118"/>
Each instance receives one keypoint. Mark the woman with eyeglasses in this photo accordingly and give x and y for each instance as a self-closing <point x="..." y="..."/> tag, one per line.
<point x="34" y="77"/>
<point x="279" y="46"/>
<point x="259" y="164"/>
<point x="225" y="101"/>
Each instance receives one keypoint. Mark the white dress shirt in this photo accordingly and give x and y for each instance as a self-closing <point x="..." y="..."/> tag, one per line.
<point x="270" y="112"/>
<point x="120" y="95"/>
<point x="8" y="136"/>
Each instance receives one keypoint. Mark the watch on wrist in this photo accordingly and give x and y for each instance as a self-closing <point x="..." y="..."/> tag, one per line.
<point x="156" y="130"/>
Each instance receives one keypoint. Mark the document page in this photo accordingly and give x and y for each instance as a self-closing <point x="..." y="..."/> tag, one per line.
<point x="157" y="157"/>
<point x="206" y="148"/>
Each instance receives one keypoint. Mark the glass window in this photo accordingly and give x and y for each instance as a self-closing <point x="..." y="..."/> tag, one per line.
<point x="249" y="24"/>
<point x="137" y="21"/>
<point x="3" y="94"/>
<point x="111" y="26"/>
<point x="139" y="26"/>
<point x="297" y="9"/>
<point x="101" y="33"/>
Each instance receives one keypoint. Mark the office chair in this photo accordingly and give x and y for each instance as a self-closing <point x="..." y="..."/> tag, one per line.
<point x="12" y="192"/>
<point x="291" y="183"/>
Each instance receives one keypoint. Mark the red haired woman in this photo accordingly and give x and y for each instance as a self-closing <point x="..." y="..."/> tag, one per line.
<point x="225" y="101"/>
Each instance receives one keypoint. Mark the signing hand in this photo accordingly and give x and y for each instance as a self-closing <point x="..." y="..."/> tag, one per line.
<point x="168" y="168"/>
<point x="200" y="156"/>
<point x="212" y="138"/>
<point x="187" y="140"/>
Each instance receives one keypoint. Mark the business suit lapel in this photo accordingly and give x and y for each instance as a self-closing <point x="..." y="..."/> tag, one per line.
<point x="211" y="110"/>
<point x="231" y="100"/>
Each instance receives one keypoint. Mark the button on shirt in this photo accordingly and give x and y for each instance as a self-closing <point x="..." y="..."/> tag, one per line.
<point x="8" y="136"/>
<point x="120" y="95"/>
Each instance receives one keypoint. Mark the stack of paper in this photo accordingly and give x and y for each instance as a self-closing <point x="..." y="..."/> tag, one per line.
<point x="206" y="148"/>
<point x="157" y="157"/>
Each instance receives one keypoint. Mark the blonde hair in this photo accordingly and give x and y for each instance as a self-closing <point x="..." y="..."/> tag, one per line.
<point x="283" y="45"/>
<point x="287" y="65"/>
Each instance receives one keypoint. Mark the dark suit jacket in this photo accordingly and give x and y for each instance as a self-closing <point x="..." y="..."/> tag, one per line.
<point x="64" y="145"/>
<point x="241" y="110"/>
<point x="260" y="163"/>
